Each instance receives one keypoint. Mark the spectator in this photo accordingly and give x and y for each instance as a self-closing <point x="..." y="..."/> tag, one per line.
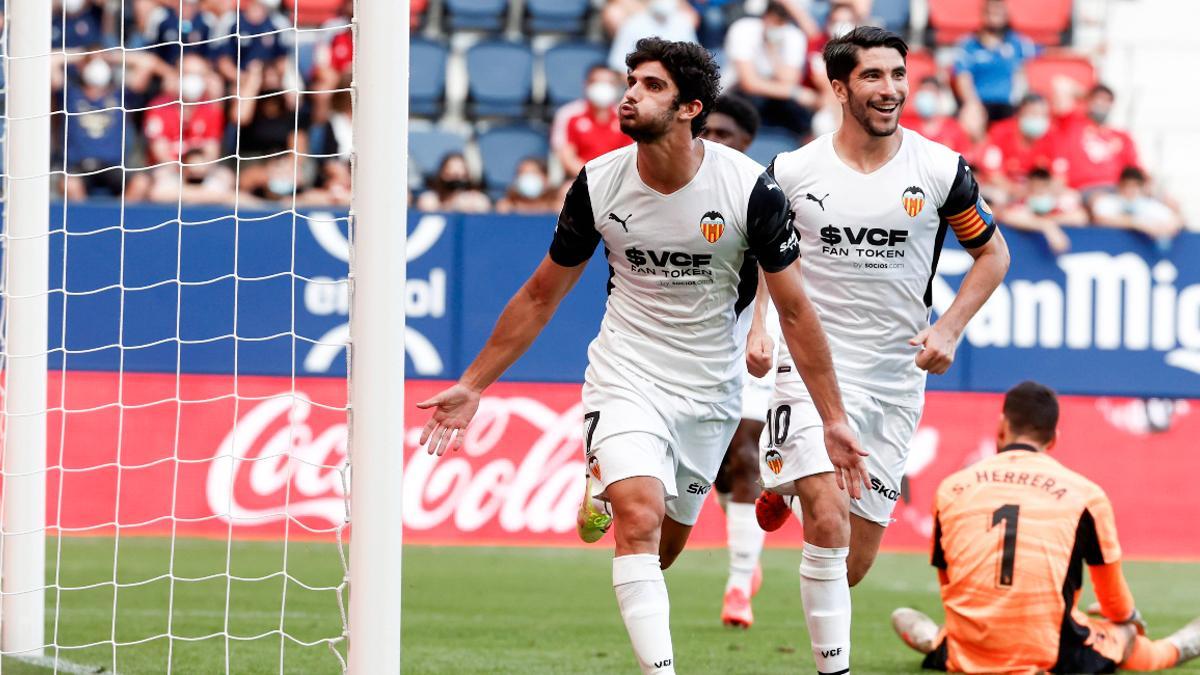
<point x="268" y="119"/>
<point x="767" y="58"/>
<point x="1132" y="207"/>
<point x="77" y="24"/>
<point x="179" y="27"/>
<point x="267" y="39"/>
<point x="841" y="19"/>
<point x="197" y="181"/>
<point x="333" y="188"/>
<point x="732" y="122"/>
<point x="1046" y="208"/>
<point x="530" y="191"/>
<point x="1015" y="146"/>
<point x="1093" y="152"/>
<point x="451" y="189"/>
<point x="929" y="105"/>
<point x="714" y="20"/>
<point x="668" y="19"/>
<point x="585" y="129"/>
<point x="203" y="119"/>
<point x="987" y="68"/>
<point x="97" y="142"/>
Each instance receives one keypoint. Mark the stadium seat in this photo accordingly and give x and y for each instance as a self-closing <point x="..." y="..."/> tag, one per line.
<point x="893" y="14"/>
<point x="567" y="64"/>
<point x="1044" y="21"/>
<point x="312" y="12"/>
<point x="770" y="142"/>
<point x="500" y="78"/>
<point x="428" y="148"/>
<point x="427" y="79"/>
<point x="482" y="15"/>
<point x="950" y="20"/>
<point x="920" y="64"/>
<point x="1040" y="72"/>
<point x="502" y="148"/>
<point x="556" y="16"/>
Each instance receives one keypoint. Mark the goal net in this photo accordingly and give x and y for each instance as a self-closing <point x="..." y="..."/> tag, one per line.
<point x="174" y="472"/>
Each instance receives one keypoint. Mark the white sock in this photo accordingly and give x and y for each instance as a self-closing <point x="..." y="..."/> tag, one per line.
<point x="646" y="610"/>
<point x="745" y="544"/>
<point x="826" y="595"/>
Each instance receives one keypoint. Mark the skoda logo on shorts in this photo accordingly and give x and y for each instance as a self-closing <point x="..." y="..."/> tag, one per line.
<point x="775" y="461"/>
<point x="594" y="466"/>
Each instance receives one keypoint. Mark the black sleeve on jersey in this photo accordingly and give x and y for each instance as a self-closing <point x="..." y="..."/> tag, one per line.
<point x="769" y="229"/>
<point x="575" y="236"/>
<point x="938" y="559"/>
<point x="965" y="211"/>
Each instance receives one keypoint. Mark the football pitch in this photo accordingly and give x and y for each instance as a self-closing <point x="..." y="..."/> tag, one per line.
<point x="479" y="610"/>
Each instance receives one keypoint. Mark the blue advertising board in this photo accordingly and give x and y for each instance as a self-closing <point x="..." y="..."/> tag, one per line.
<point x="149" y="288"/>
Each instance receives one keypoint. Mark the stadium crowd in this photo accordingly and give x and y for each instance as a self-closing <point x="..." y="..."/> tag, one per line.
<point x="220" y="100"/>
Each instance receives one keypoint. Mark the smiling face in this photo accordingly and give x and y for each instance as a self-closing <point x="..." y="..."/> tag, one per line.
<point x="650" y="106"/>
<point x="875" y="91"/>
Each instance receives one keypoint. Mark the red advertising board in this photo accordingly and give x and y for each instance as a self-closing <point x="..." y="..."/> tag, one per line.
<point x="170" y="458"/>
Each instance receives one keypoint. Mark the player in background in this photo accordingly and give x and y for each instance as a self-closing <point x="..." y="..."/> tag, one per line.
<point x="1011" y="535"/>
<point x="679" y="217"/>
<point x="734" y="122"/>
<point x="874" y="203"/>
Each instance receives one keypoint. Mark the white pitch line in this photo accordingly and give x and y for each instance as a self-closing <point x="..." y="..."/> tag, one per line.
<point x="61" y="665"/>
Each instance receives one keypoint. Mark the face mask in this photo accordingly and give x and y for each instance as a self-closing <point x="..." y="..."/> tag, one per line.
<point x="97" y="73"/>
<point x="601" y="94"/>
<point x="840" y="28"/>
<point x="662" y="8"/>
<point x="281" y="186"/>
<point x="776" y="35"/>
<point x="530" y="185"/>
<point x="192" y="87"/>
<point x="1099" y="115"/>
<point x="72" y="6"/>
<point x="1034" y="126"/>
<point x="269" y="4"/>
<point x="1041" y="204"/>
<point x="926" y="103"/>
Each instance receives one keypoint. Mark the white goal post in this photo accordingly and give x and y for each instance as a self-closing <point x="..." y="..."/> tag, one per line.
<point x="377" y="278"/>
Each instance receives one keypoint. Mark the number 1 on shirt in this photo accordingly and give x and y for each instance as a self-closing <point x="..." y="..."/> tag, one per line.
<point x="1007" y="514"/>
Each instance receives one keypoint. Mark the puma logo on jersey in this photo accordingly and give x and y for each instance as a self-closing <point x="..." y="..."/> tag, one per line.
<point x="613" y="216"/>
<point x="820" y="202"/>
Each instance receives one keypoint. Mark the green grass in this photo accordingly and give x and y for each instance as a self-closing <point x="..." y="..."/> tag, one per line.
<point x="492" y="610"/>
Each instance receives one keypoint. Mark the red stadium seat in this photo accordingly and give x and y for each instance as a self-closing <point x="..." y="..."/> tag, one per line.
<point x="1042" y="20"/>
<point x="312" y="12"/>
<point x="952" y="19"/>
<point x="920" y="65"/>
<point x="1040" y="72"/>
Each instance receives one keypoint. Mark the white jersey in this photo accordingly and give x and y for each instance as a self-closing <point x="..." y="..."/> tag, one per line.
<point x="679" y="269"/>
<point x="870" y="244"/>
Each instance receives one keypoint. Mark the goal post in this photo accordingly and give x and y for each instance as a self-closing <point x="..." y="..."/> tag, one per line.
<point x="377" y="277"/>
<point x="27" y="216"/>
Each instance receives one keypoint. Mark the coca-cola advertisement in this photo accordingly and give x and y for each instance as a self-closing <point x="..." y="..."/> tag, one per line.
<point x="258" y="457"/>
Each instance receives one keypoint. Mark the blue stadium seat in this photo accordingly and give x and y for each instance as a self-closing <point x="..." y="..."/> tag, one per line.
<point x="567" y="65"/>
<point x="500" y="78"/>
<point x="893" y="14"/>
<point x="427" y="149"/>
<point x="427" y="79"/>
<point x="484" y="15"/>
<point x="770" y="142"/>
<point x="556" y="16"/>
<point x="502" y="148"/>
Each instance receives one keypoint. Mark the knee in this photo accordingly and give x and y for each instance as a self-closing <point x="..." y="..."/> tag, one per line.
<point x="826" y="524"/>
<point x="638" y="524"/>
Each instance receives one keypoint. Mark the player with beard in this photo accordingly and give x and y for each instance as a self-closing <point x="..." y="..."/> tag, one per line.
<point x="873" y="205"/>
<point x="679" y="217"/>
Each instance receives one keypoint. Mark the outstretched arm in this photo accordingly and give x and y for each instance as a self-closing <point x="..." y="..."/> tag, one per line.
<point x="575" y="238"/>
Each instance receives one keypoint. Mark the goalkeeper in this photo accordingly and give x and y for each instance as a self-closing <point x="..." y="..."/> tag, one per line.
<point x="1011" y="535"/>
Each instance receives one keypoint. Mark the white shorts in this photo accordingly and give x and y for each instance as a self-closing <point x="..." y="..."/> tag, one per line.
<point x="792" y="445"/>
<point x="633" y="427"/>
<point x="756" y="396"/>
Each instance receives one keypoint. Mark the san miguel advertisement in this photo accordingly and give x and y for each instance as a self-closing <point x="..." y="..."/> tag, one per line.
<point x="198" y="378"/>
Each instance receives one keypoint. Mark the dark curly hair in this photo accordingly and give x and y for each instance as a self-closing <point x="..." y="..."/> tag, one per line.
<point x="692" y="68"/>
<point x="740" y="111"/>
<point x="841" y="54"/>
